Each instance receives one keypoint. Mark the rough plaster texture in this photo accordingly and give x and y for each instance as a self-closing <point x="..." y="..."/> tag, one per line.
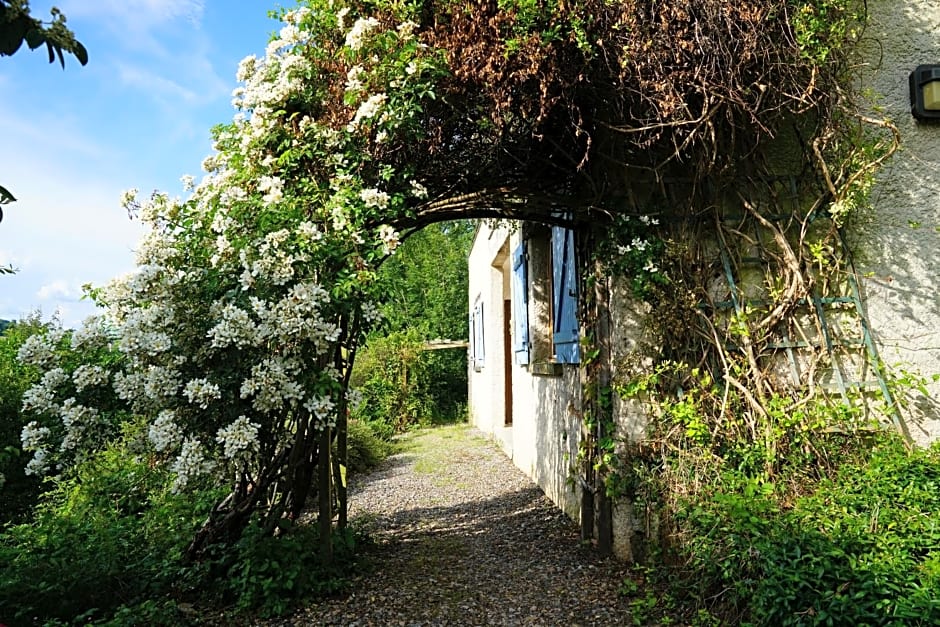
<point x="543" y="438"/>
<point x="898" y="247"/>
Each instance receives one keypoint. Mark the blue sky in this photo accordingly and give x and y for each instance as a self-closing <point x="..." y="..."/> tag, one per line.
<point x="159" y="77"/>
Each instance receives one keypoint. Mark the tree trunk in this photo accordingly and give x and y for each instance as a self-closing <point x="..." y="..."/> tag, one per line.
<point x="341" y="469"/>
<point x="325" y="497"/>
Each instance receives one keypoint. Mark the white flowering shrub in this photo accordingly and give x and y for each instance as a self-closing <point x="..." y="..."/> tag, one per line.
<point x="71" y="408"/>
<point x="233" y="335"/>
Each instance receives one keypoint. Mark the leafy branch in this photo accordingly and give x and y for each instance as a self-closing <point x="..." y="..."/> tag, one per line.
<point x="17" y="26"/>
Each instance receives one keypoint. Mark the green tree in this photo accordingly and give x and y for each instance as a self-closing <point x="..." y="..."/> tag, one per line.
<point x="18" y="490"/>
<point x="427" y="282"/>
<point x="403" y="384"/>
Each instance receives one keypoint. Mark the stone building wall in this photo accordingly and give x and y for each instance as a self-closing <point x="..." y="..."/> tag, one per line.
<point x="897" y="246"/>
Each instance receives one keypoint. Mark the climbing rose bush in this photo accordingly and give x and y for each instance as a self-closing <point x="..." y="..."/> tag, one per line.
<point x="232" y="337"/>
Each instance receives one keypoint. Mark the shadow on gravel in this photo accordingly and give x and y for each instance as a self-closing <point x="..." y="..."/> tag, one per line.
<point x="509" y="560"/>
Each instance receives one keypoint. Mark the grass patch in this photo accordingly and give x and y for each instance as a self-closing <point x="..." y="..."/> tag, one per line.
<point x="436" y="448"/>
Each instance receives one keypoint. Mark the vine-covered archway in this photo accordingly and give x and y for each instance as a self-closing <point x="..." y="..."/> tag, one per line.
<point x="366" y="120"/>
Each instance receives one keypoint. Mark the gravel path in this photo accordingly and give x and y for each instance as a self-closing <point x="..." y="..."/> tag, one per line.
<point x="464" y="538"/>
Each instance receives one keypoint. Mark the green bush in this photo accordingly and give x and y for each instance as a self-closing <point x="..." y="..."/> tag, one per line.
<point x="270" y="575"/>
<point x="862" y="549"/>
<point x="404" y="386"/>
<point x="365" y="449"/>
<point x="107" y="540"/>
<point x="18" y="490"/>
<point x="109" y="535"/>
<point x="391" y="374"/>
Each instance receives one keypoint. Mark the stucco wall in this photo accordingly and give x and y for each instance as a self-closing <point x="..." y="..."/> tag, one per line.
<point x="485" y="387"/>
<point x="543" y="438"/>
<point x="898" y="246"/>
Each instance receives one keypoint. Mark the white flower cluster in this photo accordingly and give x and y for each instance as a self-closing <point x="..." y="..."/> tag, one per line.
<point x="164" y="433"/>
<point x="93" y="333"/>
<point x="321" y="408"/>
<point x="158" y="209"/>
<point x="273" y="189"/>
<point x="190" y="464"/>
<point x="38" y="350"/>
<point x="33" y="436"/>
<point x="143" y="330"/>
<point x="79" y="422"/>
<point x="273" y="261"/>
<point x="354" y="398"/>
<point x="367" y="110"/>
<point x="297" y="317"/>
<point x="354" y="78"/>
<point x="418" y="190"/>
<point x="370" y="312"/>
<point x="41" y="397"/>
<point x="273" y="384"/>
<point x="154" y="249"/>
<point x="87" y="376"/>
<point x="235" y="328"/>
<point x="406" y="30"/>
<point x="129" y="199"/>
<point x="309" y="231"/>
<point x="374" y="198"/>
<point x="238" y="438"/>
<point x="246" y="69"/>
<point x="356" y="36"/>
<point x="637" y="244"/>
<point x="388" y="237"/>
<point x="147" y="387"/>
<point x="201" y="392"/>
<point x="296" y="16"/>
<point x="39" y="464"/>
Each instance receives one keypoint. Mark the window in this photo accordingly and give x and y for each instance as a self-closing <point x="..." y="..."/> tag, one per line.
<point x="545" y="298"/>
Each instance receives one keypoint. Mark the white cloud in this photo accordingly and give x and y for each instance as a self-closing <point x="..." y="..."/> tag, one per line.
<point x="51" y="132"/>
<point x="60" y="290"/>
<point x="136" y="14"/>
<point x="159" y="86"/>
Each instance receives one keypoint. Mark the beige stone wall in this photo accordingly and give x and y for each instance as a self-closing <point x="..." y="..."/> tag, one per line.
<point x="898" y="247"/>
<point x="543" y="438"/>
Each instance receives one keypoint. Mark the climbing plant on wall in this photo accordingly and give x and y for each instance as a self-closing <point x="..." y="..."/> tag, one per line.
<point x="365" y="119"/>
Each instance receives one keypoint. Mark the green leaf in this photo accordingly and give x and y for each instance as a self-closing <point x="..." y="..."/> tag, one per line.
<point x="11" y="37"/>
<point x="80" y="53"/>
<point x="35" y="38"/>
<point x="6" y="196"/>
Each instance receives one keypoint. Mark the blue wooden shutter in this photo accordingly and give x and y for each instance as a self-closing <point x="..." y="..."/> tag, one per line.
<point x="520" y="305"/>
<point x="565" y="292"/>
<point x="478" y="352"/>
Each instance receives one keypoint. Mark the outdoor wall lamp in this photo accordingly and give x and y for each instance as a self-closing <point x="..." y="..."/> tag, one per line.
<point x="925" y="92"/>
